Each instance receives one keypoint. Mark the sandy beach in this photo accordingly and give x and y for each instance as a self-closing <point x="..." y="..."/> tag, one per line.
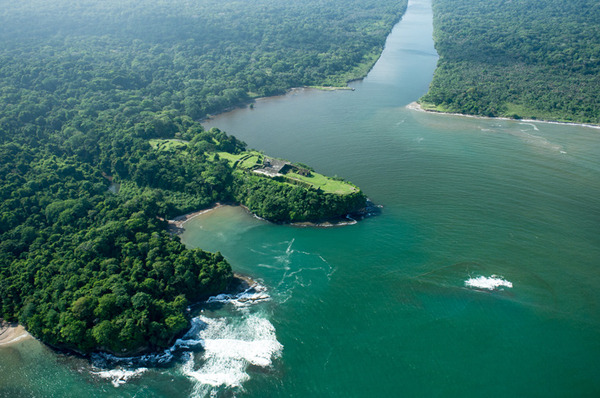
<point x="11" y="333"/>
<point x="176" y="224"/>
<point x="415" y="106"/>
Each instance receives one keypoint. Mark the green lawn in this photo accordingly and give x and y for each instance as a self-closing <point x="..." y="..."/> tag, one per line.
<point x="429" y="106"/>
<point x="251" y="161"/>
<point x="230" y="156"/>
<point x="247" y="160"/>
<point x="326" y="184"/>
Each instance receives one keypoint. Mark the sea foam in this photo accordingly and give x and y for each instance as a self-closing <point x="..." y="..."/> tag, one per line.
<point x="491" y="283"/>
<point x="119" y="376"/>
<point x="215" y="352"/>
<point x="253" y="294"/>
<point x="230" y="346"/>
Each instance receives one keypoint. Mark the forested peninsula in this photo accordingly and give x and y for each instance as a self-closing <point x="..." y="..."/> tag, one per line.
<point x="100" y="94"/>
<point x="533" y="59"/>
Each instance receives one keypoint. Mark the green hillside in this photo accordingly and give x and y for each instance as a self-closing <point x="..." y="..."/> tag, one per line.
<point x="95" y="92"/>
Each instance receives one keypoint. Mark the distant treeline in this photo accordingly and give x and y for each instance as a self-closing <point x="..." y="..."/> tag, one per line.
<point x="521" y="59"/>
<point x="84" y="85"/>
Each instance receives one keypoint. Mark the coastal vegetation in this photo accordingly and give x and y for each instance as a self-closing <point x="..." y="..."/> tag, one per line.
<point x="536" y="59"/>
<point x="100" y="92"/>
<point x="273" y="189"/>
<point x="292" y="174"/>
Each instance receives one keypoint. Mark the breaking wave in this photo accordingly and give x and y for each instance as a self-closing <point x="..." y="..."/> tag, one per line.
<point x="119" y="376"/>
<point x="490" y="283"/>
<point x="215" y="354"/>
<point x="230" y="346"/>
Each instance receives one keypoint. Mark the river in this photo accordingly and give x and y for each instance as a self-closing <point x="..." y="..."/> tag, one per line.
<point x="480" y="276"/>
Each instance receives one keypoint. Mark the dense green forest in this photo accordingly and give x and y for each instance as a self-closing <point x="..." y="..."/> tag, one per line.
<point x="84" y="86"/>
<point x="520" y="58"/>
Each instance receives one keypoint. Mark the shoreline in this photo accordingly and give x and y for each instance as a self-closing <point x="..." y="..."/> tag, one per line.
<point x="11" y="333"/>
<point x="415" y="106"/>
<point x="370" y="210"/>
<point x="252" y="101"/>
<point x="176" y="224"/>
<point x="239" y="284"/>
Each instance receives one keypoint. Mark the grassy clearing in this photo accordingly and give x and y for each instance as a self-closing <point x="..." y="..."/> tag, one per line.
<point x="429" y="106"/>
<point x="245" y="160"/>
<point x="250" y="159"/>
<point x="228" y="156"/>
<point x="326" y="184"/>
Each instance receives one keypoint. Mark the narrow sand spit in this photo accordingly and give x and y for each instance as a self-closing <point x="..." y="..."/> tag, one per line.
<point x="415" y="106"/>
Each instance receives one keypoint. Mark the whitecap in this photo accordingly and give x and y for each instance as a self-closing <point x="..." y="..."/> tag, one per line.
<point x="253" y="294"/>
<point x="119" y="376"/>
<point x="490" y="283"/>
<point x="269" y="266"/>
<point x="289" y="248"/>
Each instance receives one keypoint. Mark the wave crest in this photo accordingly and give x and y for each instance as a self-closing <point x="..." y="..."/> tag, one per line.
<point x="119" y="376"/>
<point x="230" y="346"/>
<point x="490" y="283"/>
<point x="253" y="294"/>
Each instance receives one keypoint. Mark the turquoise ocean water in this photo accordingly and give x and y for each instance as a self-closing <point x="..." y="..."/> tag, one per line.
<point x="479" y="278"/>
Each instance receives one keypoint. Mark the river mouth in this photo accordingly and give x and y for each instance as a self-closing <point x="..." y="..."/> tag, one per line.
<point x="479" y="275"/>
